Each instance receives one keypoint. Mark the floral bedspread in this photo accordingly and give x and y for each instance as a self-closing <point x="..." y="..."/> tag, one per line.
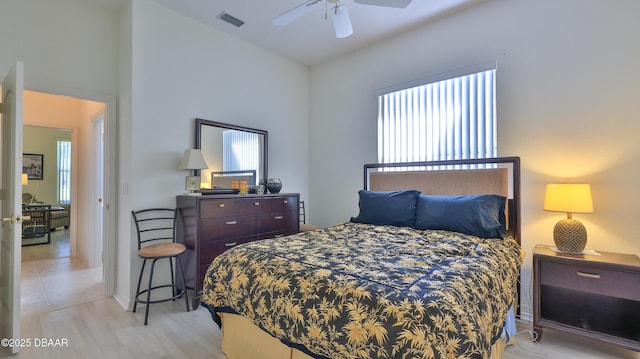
<point x="364" y="291"/>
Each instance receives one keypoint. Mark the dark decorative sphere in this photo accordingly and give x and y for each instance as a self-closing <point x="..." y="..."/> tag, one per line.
<point x="274" y="185"/>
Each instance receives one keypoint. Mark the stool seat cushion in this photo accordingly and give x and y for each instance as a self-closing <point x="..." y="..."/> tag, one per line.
<point x="162" y="250"/>
<point x="308" y="227"/>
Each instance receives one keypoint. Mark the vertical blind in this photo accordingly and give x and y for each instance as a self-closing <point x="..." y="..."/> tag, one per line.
<point x="64" y="171"/>
<point x="450" y="119"/>
<point x="240" y="151"/>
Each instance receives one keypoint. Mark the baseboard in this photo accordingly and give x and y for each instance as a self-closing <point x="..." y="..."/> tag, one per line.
<point x="124" y="301"/>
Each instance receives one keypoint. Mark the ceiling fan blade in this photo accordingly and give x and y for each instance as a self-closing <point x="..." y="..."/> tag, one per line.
<point x="341" y="21"/>
<point x="298" y="11"/>
<point x="387" y="3"/>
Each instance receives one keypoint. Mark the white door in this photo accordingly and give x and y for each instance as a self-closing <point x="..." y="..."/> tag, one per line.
<point x="11" y="198"/>
<point x="98" y="183"/>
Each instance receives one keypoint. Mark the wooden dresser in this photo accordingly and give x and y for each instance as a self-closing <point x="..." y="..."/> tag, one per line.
<point x="209" y="225"/>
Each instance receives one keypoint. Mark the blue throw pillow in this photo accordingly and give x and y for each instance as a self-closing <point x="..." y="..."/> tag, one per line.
<point x="479" y="215"/>
<point x="395" y="208"/>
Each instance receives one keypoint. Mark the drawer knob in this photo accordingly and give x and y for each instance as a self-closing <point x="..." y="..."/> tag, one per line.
<point x="221" y="205"/>
<point x="278" y="217"/>
<point x="256" y="203"/>
<point x="285" y="201"/>
<point x="230" y="244"/>
<point x="588" y="275"/>
<point x="231" y="222"/>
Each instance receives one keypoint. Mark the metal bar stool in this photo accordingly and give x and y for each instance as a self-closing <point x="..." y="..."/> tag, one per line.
<point x="304" y="227"/>
<point x="156" y="229"/>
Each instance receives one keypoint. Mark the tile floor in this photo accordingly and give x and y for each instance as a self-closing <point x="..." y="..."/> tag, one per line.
<point x="52" y="280"/>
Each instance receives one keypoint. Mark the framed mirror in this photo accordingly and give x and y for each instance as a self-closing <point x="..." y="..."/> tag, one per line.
<point x="230" y="151"/>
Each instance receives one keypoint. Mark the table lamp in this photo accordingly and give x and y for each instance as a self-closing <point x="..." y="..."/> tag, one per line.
<point x="25" y="179"/>
<point x="192" y="160"/>
<point x="569" y="234"/>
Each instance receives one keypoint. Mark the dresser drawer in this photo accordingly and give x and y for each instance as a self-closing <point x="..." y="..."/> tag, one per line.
<point x="217" y="208"/>
<point x="284" y="204"/>
<point x="227" y="227"/>
<point x="604" y="281"/>
<point x="212" y="249"/>
<point x="277" y="221"/>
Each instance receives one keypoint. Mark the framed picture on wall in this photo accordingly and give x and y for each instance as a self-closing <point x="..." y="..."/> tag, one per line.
<point x="32" y="165"/>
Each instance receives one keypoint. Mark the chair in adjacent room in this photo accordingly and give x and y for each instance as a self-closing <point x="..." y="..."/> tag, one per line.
<point x="304" y="227"/>
<point x="156" y="230"/>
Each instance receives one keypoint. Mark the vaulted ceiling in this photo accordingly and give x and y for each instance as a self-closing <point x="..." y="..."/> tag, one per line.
<point x="311" y="39"/>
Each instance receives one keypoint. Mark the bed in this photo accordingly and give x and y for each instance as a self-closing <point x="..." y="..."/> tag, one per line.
<point x="403" y="279"/>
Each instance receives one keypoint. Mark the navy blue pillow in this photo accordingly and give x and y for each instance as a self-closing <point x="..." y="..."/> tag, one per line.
<point x="479" y="215"/>
<point x="395" y="208"/>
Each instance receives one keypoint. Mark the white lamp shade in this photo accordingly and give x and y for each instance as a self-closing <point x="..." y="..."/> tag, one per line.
<point x="192" y="160"/>
<point x="568" y="197"/>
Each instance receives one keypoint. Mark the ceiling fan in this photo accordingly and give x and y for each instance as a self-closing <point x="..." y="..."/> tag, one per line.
<point x="339" y="13"/>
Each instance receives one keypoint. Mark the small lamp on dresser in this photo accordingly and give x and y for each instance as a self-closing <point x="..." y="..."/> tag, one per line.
<point x="569" y="234"/>
<point x="192" y="160"/>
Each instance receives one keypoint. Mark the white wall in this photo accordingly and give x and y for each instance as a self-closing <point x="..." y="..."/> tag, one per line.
<point x="568" y="90"/>
<point x="64" y="44"/>
<point x="182" y="69"/>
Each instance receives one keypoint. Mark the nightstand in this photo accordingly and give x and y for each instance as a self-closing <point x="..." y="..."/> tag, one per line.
<point x="597" y="297"/>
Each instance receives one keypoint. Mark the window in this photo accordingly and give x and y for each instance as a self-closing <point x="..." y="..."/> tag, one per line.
<point x="450" y="119"/>
<point x="64" y="171"/>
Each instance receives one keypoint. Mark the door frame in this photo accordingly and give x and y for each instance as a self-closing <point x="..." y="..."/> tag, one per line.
<point x="109" y="181"/>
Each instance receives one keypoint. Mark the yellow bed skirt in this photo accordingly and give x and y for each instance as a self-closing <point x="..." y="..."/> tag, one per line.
<point x="241" y="339"/>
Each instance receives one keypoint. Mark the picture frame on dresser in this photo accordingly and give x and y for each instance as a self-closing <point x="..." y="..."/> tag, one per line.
<point x="192" y="183"/>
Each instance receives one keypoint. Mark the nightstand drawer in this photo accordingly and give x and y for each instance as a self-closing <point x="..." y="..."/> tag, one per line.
<point x="596" y="280"/>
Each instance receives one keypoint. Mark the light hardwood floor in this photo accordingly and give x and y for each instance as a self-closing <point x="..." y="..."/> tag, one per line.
<point x="100" y="328"/>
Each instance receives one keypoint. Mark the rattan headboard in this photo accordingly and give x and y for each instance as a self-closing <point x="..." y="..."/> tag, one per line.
<point x="499" y="176"/>
<point x="444" y="182"/>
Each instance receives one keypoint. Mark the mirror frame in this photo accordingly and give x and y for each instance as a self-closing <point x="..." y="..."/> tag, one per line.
<point x="265" y="151"/>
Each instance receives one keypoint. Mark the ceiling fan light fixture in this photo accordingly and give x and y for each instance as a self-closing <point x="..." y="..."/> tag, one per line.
<point x="341" y="21"/>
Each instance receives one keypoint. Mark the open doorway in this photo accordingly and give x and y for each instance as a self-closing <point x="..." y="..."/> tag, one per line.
<point x="66" y="269"/>
<point x="46" y="195"/>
